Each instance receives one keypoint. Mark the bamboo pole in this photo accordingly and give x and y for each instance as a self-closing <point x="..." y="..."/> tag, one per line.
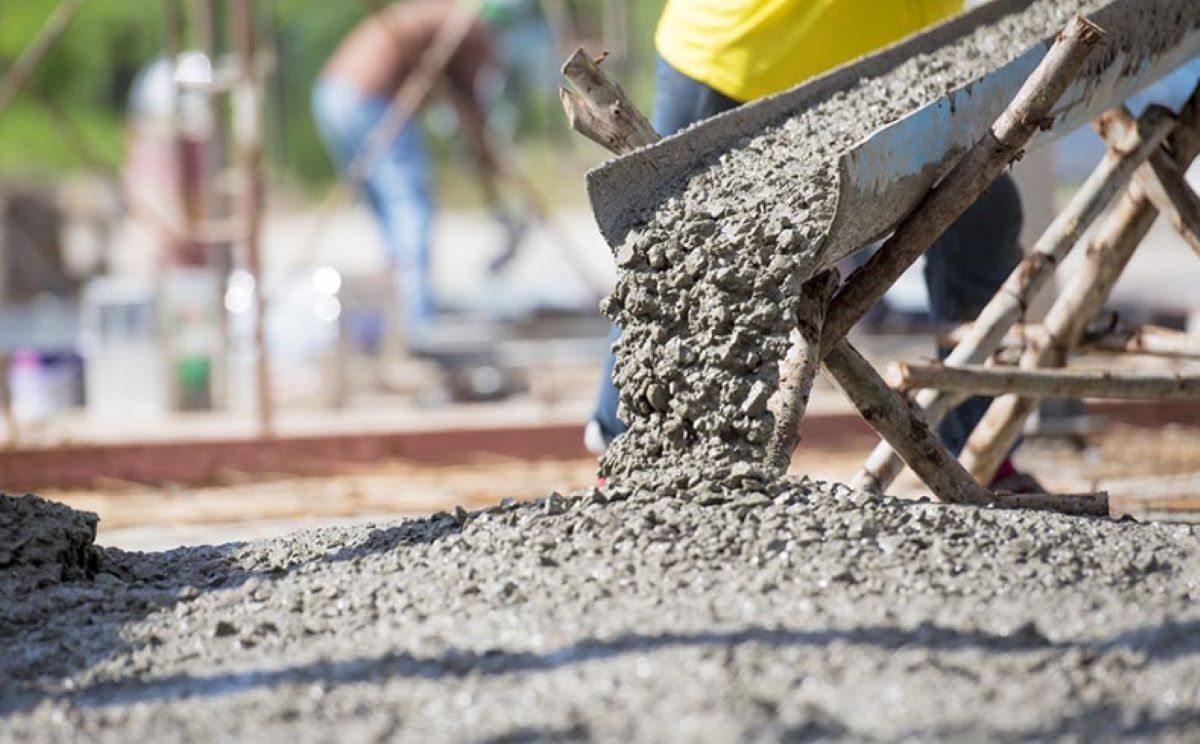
<point x="890" y="414"/>
<point x="601" y="111"/>
<point x="247" y="133"/>
<point x="980" y="380"/>
<point x="887" y="412"/>
<point x="799" y="370"/>
<point x="1034" y="273"/>
<point x="1028" y="113"/>
<point x="31" y="57"/>
<point x="1082" y="298"/>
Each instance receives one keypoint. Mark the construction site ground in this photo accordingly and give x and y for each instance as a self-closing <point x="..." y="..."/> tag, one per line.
<point x="1136" y="465"/>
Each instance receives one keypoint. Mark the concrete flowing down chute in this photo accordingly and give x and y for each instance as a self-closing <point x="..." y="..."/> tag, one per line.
<point x="884" y="176"/>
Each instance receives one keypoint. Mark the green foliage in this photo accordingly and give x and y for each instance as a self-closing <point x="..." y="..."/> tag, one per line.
<point x="85" y="75"/>
<point x="33" y="141"/>
<point x="88" y="72"/>
<point x="306" y="33"/>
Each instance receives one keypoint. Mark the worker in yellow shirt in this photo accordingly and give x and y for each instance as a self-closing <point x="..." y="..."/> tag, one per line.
<point x="750" y="49"/>
<point x="717" y="54"/>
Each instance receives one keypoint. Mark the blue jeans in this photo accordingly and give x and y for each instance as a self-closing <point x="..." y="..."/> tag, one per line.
<point x="678" y="102"/>
<point x="397" y="188"/>
<point x="963" y="269"/>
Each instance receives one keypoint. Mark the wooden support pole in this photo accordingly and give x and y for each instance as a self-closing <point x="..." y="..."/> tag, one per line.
<point x="247" y="133"/>
<point x="980" y="380"/>
<point x="887" y="412"/>
<point x="601" y="111"/>
<point x="1034" y="273"/>
<point x="1073" y="504"/>
<point x="1028" y="114"/>
<point x="1164" y="184"/>
<point x="799" y="370"/>
<point x="604" y="115"/>
<point x="10" y="411"/>
<point x="1107" y="256"/>
<point x="51" y="31"/>
<point x="1174" y="198"/>
<point x="1149" y="340"/>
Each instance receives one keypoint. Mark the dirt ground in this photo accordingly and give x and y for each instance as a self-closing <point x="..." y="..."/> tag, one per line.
<point x="1137" y="466"/>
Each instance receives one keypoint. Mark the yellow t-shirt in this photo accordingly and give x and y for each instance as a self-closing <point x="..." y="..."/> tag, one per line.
<point x="747" y="49"/>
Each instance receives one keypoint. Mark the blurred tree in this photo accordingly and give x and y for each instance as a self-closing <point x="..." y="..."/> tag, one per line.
<point x="86" y="76"/>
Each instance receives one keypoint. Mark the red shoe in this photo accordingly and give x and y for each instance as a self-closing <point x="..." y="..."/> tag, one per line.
<point x="1011" y="480"/>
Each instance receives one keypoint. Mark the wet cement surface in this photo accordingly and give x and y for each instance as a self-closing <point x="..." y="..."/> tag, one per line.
<point x="698" y="598"/>
<point x="43" y="543"/>
<point x="797" y="612"/>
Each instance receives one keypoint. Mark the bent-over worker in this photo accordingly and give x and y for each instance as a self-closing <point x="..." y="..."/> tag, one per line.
<point x="352" y="97"/>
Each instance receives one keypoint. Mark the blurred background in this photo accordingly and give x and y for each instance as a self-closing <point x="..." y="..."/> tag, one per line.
<point x="199" y="324"/>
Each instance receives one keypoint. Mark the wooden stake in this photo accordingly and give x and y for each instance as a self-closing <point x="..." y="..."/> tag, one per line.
<point x="601" y="111"/>
<point x="1073" y="504"/>
<point x="10" y="411"/>
<point x="1028" y="114"/>
<point x="1164" y="184"/>
<point x="979" y="380"/>
<point x="247" y="132"/>
<point x="1149" y="340"/>
<point x="799" y="369"/>
<point x="1107" y="256"/>
<point x="888" y="413"/>
<point x="1034" y="272"/>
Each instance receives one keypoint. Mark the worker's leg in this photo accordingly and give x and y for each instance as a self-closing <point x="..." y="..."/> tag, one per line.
<point x="605" y="425"/>
<point x="678" y="102"/>
<point x="399" y="190"/>
<point x="963" y="270"/>
<point x="397" y="187"/>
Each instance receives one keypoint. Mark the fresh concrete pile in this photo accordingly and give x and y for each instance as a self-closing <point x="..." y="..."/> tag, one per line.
<point x="707" y="602"/>
<point x="707" y="285"/>
<point x="812" y="613"/>
<point x="42" y="544"/>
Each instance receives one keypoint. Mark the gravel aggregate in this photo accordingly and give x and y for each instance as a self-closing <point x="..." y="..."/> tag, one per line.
<point x="696" y="597"/>
<point x="804" y="611"/>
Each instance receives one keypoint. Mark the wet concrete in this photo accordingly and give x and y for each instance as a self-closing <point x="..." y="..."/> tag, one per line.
<point x="698" y="598"/>
<point x="707" y="283"/>
<point x="803" y="612"/>
<point x="43" y="543"/>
